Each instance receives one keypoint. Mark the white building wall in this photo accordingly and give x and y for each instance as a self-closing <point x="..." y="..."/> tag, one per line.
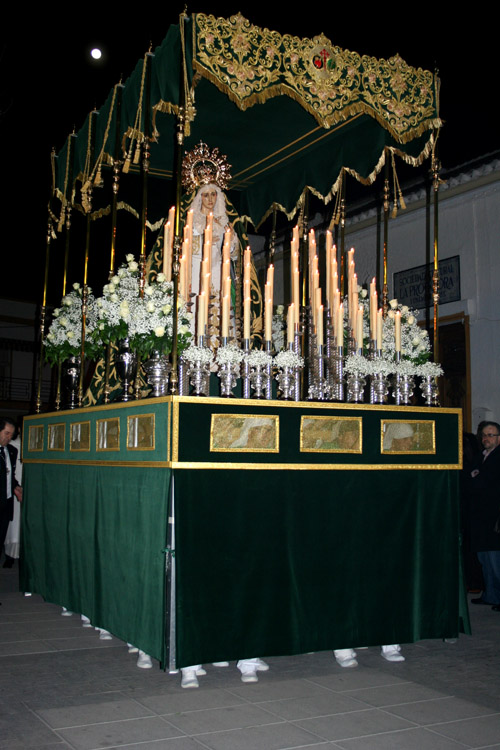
<point x="469" y="226"/>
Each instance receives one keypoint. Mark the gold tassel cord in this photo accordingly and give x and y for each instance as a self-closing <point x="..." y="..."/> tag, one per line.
<point x="398" y="193"/>
<point x="136" y="133"/>
<point x="189" y="108"/>
<point x="64" y="199"/>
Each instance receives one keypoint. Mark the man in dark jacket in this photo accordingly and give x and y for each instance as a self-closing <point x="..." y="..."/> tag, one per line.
<point x="8" y="483"/>
<point x="485" y="511"/>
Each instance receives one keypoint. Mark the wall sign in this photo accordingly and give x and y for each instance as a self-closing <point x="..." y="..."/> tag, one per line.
<point x="414" y="286"/>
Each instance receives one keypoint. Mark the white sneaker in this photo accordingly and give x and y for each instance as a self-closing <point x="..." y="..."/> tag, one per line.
<point x="200" y="671"/>
<point x="132" y="649"/>
<point x="104" y="635"/>
<point x="220" y="664"/>
<point x="261" y="665"/>
<point x="189" y="679"/>
<point x="249" y="676"/>
<point x="248" y="669"/>
<point x="392" y="652"/>
<point x="66" y="613"/>
<point x="346" y="657"/>
<point x="85" y="622"/>
<point x="144" y="661"/>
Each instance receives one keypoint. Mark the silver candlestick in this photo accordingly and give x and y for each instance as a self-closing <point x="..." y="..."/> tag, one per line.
<point x="245" y="369"/>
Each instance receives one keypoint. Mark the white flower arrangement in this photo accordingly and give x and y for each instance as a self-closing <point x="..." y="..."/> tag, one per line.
<point x="406" y="367"/>
<point x="258" y="358"/>
<point x="228" y="355"/>
<point x="64" y="337"/>
<point x="359" y="365"/>
<point x="200" y="354"/>
<point x="415" y="344"/>
<point x="147" y="321"/>
<point x="429" y="369"/>
<point x="288" y="358"/>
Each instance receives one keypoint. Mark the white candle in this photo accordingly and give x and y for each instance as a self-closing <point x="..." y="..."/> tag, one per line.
<point x="167" y="252"/>
<point x="379" y="329"/>
<point x="397" y="331"/>
<point x="290" y="323"/>
<point x="246" y="317"/>
<point x="225" y="316"/>
<point x="268" y="313"/>
<point x="359" y="328"/>
<point x="339" y="334"/>
<point x="319" y="325"/>
<point x="201" y="314"/>
<point x="182" y="277"/>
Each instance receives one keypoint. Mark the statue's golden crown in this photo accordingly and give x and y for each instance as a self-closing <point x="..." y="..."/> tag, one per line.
<point x="203" y="166"/>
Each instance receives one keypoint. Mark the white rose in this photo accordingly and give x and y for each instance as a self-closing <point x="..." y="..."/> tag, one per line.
<point x="70" y="334"/>
<point x="160" y="278"/>
<point x="129" y="257"/>
<point x="183" y="329"/>
<point x="279" y="310"/>
<point x="63" y="322"/>
<point x="411" y="320"/>
<point x="101" y="325"/>
<point x="114" y="297"/>
<point x="416" y="341"/>
<point x="133" y="266"/>
<point x="421" y="348"/>
<point x="390" y="313"/>
<point x="121" y="273"/>
<point x="160" y="331"/>
<point x="166" y="309"/>
<point x="393" y="303"/>
<point x="150" y="307"/>
<point x="148" y="291"/>
<point x="364" y="293"/>
<point x="56" y="313"/>
<point x="115" y="280"/>
<point x="404" y="309"/>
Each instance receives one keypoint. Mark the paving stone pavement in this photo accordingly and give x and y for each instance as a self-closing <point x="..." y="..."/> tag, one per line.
<point x="62" y="687"/>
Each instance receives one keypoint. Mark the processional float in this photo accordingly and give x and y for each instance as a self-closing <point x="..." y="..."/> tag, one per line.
<point x="140" y="514"/>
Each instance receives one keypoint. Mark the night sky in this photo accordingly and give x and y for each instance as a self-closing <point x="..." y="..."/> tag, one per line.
<point x="49" y="83"/>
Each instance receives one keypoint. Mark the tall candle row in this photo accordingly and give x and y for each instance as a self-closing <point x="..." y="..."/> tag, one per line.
<point x="332" y="301"/>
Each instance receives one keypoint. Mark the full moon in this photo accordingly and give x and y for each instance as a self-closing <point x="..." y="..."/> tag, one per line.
<point x="96" y="53"/>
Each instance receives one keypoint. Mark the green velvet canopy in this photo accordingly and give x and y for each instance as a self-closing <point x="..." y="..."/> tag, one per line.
<point x="288" y="113"/>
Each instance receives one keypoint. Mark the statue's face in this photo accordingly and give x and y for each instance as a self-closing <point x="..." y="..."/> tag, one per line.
<point x="208" y="200"/>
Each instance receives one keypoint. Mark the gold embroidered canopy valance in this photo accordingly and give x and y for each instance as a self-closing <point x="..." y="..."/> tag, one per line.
<point x="289" y="113"/>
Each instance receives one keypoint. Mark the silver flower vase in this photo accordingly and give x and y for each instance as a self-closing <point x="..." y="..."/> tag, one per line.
<point x="259" y="379"/>
<point x="70" y="378"/>
<point x="379" y="388"/>
<point x="355" y="387"/>
<point x="430" y="390"/>
<point x="286" y="380"/>
<point x="228" y="373"/>
<point x="157" y="369"/>
<point x="403" y="389"/>
<point x="125" y="361"/>
<point x="199" y="377"/>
